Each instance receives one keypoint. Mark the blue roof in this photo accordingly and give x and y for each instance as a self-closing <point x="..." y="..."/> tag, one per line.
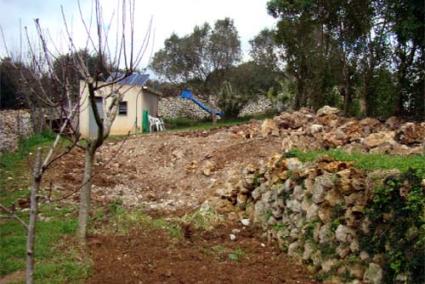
<point x="135" y="79"/>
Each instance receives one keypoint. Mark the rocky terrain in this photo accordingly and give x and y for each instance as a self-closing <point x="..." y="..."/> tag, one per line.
<point x="318" y="212"/>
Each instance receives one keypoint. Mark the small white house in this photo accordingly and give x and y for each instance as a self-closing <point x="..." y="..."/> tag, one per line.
<point x="137" y="99"/>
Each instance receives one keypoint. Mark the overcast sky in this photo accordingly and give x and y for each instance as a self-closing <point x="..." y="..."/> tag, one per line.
<point x="179" y="16"/>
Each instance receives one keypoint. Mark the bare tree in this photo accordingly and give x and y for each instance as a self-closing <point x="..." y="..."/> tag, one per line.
<point x="37" y="79"/>
<point x="123" y="56"/>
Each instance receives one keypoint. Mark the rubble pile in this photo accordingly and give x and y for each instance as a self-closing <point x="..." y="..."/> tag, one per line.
<point x="14" y="124"/>
<point x="326" y="129"/>
<point x="327" y="214"/>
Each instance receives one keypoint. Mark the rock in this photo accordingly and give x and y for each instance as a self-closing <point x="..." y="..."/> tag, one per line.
<point x="209" y="168"/>
<point x="245" y="222"/>
<point x="292" y="249"/>
<point x="328" y="264"/>
<point x="344" y="234"/>
<point x="293" y="164"/>
<point x="321" y="185"/>
<point x="232" y="237"/>
<point x="364" y="256"/>
<point x="325" y="214"/>
<point x="356" y="271"/>
<point x="393" y="122"/>
<point x="316" y="128"/>
<point x="308" y="251"/>
<point x="269" y="127"/>
<point x="327" y="110"/>
<point x="312" y="212"/>
<point x="325" y="234"/>
<point x="333" y="198"/>
<point x="373" y="274"/>
<point x="411" y="133"/>
<point x="298" y="193"/>
<point x="342" y="251"/>
<point x="379" y="138"/>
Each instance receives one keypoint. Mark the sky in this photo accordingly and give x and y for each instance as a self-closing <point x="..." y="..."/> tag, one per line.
<point x="168" y="16"/>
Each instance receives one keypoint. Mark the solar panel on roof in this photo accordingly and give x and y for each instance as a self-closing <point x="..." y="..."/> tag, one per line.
<point x="135" y="79"/>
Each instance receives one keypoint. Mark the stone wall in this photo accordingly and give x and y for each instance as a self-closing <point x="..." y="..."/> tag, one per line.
<point x="348" y="225"/>
<point x="262" y="105"/>
<point x="174" y="107"/>
<point x="14" y="124"/>
<point x="340" y="221"/>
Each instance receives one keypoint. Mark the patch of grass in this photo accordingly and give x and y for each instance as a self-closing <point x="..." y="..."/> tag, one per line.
<point x="15" y="168"/>
<point x="223" y="253"/>
<point x="120" y="220"/>
<point x="367" y="161"/>
<point x="182" y="123"/>
<point x="203" y="218"/>
<point x="236" y="255"/>
<point x="53" y="263"/>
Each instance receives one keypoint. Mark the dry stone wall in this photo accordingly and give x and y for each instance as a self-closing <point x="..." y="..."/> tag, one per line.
<point x="14" y="124"/>
<point x="348" y="225"/>
<point x="174" y="107"/>
<point x="324" y="214"/>
<point x="261" y="105"/>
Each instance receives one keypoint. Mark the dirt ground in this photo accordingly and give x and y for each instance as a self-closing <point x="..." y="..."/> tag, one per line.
<point x="202" y="257"/>
<point x="165" y="172"/>
<point x="171" y="174"/>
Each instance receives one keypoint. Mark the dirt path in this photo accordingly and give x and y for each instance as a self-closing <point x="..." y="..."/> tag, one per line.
<point x="202" y="257"/>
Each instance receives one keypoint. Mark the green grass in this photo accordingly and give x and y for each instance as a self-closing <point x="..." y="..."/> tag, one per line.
<point x="14" y="167"/>
<point x="206" y="124"/>
<point x="57" y="259"/>
<point x="367" y="161"/>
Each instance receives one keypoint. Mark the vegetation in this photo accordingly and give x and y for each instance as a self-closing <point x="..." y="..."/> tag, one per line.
<point x="371" y="51"/>
<point x="402" y="235"/>
<point x="54" y="230"/>
<point x="182" y="123"/>
<point x="367" y="161"/>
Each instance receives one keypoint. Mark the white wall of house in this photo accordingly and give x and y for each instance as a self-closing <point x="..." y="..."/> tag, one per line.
<point x="125" y="121"/>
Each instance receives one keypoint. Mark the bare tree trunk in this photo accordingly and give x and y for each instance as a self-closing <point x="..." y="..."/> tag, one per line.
<point x="36" y="180"/>
<point x="85" y="193"/>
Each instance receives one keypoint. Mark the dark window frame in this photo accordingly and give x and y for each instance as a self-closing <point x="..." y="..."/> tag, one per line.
<point x="123" y="112"/>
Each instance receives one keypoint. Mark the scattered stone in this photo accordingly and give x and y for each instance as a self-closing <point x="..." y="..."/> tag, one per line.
<point x="232" y="237"/>
<point x="245" y="222"/>
<point x="327" y="110"/>
<point x="373" y="274"/>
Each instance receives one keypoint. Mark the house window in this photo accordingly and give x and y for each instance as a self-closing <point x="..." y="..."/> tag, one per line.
<point x="122" y="110"/>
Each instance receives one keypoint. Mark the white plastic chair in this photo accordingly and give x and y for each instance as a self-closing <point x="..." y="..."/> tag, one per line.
<point x="156" y="122"/>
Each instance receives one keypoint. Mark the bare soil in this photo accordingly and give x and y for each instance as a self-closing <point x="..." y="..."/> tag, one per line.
<point x="203" y="257"/>
<point x="166" y="174"/>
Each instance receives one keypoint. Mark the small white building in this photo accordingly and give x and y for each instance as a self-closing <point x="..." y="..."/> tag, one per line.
<point x="137" y="98"/>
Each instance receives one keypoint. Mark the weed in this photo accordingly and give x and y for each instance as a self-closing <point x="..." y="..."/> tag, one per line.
<point x="236" y="255"/>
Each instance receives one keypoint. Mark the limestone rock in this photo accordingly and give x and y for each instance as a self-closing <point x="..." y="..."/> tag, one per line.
<point x="379" y="138"/>
<point x="373" y="274"/>
<point x="269" y="127"/>
<point x="327" y="110"/>
<point x="344" y="234"/>
<point x="411" y="133"/>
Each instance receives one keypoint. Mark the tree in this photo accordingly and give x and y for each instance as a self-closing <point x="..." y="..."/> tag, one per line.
<point x="265" y="51"/>
<point x="195" y="57"/>
<point x="347" y="44"/>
